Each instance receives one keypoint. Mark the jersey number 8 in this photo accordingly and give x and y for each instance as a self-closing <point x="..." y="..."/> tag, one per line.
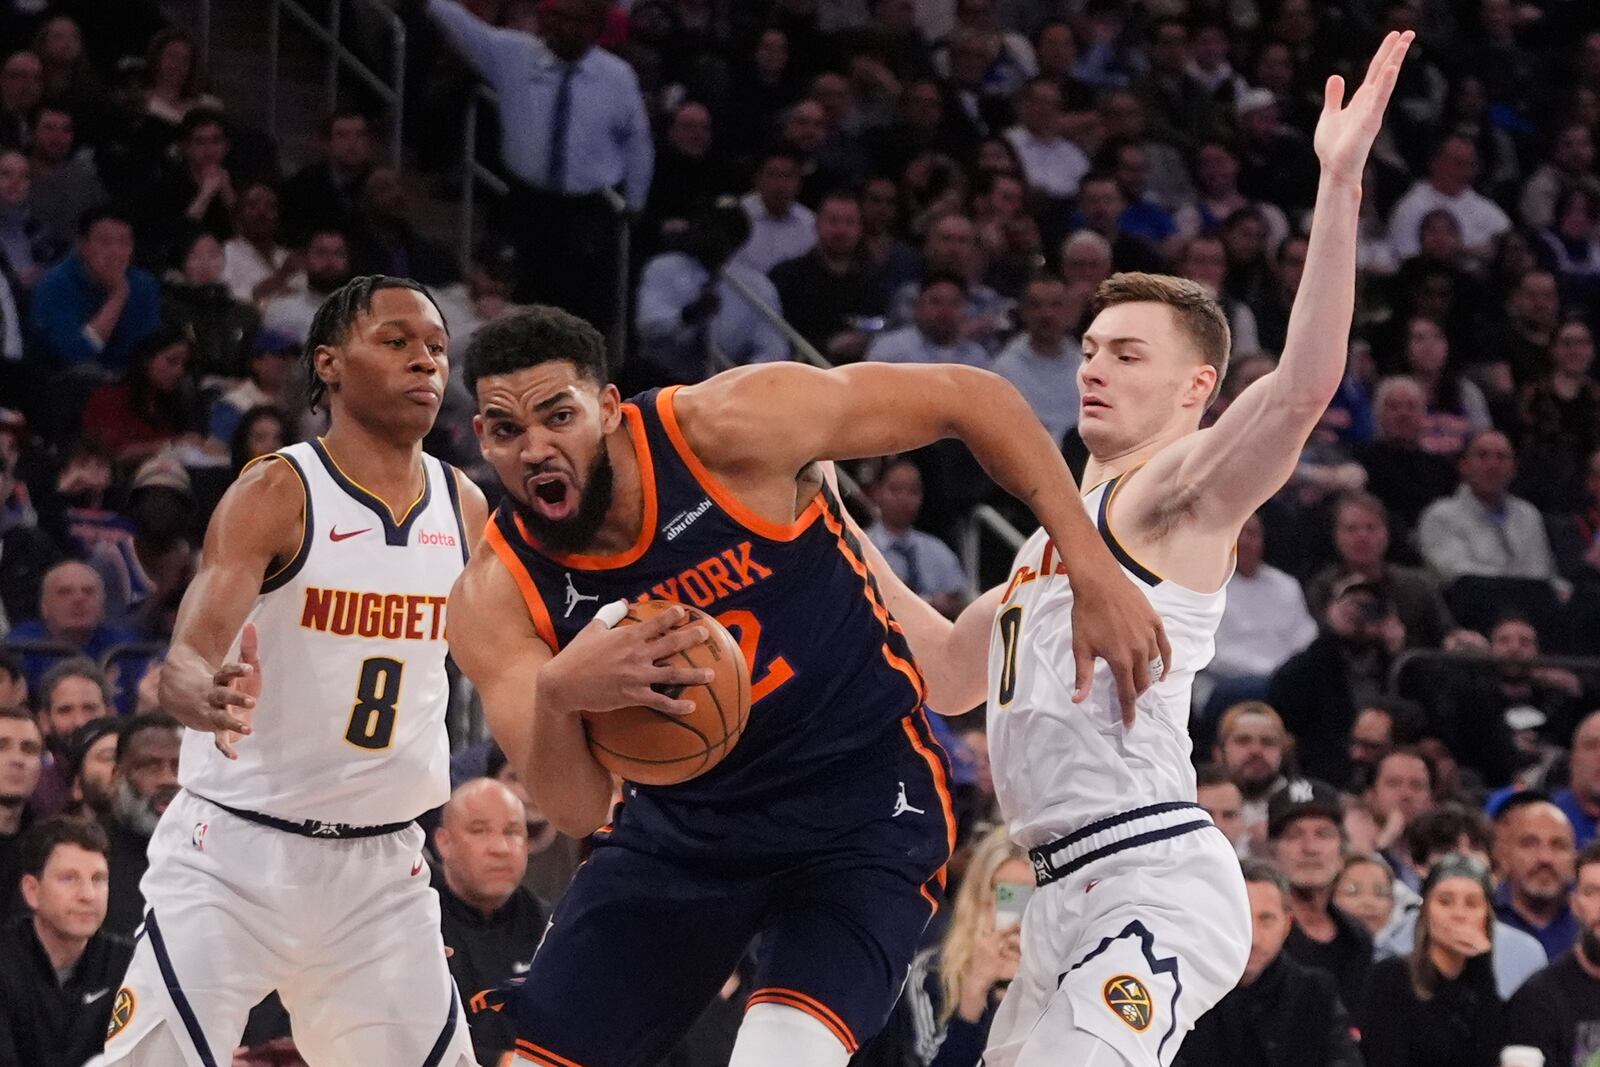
<point x="377" y="694"/>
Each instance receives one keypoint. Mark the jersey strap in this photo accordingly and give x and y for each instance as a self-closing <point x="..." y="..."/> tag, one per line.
<point x="449" y="474"/>
<point x="1133" y="566"/>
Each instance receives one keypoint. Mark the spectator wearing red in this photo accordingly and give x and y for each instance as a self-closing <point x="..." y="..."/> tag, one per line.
<point x="92" y="309"/>
<point x="154" y="407"/>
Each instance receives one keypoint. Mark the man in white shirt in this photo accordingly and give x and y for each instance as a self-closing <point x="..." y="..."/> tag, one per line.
<point x="925" y="563"/>
<point x="255" y="268"/>
<point x="327" y="257"/>
<point x="936" y="332"/>
<point x="1051" y="164"/>
<point x="1265" y="621"/>
<point x="1451" y="169"/>
<point x="1484" y="531"/>
<point x="1042" y="361"/>
<point x="780" y="229"/>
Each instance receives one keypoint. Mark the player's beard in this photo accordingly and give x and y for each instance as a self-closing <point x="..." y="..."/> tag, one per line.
<point x="577" y="532"/>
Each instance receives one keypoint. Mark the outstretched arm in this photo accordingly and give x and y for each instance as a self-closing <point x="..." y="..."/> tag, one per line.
<point x="759" y="425"/>
<point x="1250" y="452"/>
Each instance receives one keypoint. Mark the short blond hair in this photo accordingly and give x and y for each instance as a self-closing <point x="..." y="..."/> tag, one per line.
<point x="1199" y="315"/>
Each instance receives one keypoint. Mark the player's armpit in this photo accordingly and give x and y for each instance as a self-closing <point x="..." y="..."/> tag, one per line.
<point x="493" y="640"/>
<point x="258" y="528"/>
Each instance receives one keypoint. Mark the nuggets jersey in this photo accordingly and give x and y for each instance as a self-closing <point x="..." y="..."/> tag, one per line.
<point x="831" y="674"/>
<point x="349" y="727"/>
<point x="1058" y="765"/>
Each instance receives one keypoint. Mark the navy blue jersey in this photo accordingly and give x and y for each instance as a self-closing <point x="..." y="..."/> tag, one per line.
<point x="831" y="674"/>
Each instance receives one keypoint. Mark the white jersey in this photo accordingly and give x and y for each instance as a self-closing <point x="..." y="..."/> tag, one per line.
<point x="1058" y="765"/>
<point x="350" y="724"/>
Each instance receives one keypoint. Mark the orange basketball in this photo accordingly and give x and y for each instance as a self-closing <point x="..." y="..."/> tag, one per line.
<point x="650" y="747"/>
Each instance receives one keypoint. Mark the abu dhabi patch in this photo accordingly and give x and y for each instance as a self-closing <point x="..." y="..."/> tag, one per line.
<point x="1129" y="1000"/>
<point x="122" y="1009"/>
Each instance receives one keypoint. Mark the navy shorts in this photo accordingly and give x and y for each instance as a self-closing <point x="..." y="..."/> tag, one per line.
<point x="837" y="881"/>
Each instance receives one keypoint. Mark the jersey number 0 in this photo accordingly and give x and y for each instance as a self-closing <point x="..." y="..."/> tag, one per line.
<point x="1010" y="631"/>
<point x="377" y="696"/>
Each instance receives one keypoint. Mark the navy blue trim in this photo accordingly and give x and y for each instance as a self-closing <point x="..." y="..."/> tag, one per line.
<point x="396" y="535"/>
<point x="179" y="1000"/>
<point x="1045" y="871"/>
<point x="437" y="1052"/>
<point x="286" y="574"/>
<point x="450" y="475"/>
<point x="1116" y="820"/>
<point x="315" y="828"/>
<point x="1133" y="566"/>
<point x="1157" y="966"/>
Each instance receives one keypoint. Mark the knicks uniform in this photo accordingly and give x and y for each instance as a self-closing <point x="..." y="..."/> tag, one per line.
<point x="1141" y="922"/>
<point x="298" y="866"/>
<point x="825" y="831"/>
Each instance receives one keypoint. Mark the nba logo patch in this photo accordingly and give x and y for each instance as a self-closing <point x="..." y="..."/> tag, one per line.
<point x="1129" y="1000"/>
<point x="198" y="838"/>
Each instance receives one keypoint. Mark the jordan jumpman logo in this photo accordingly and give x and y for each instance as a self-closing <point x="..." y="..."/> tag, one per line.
<point x="574" y="598"/>
<point x="902" y="805"/>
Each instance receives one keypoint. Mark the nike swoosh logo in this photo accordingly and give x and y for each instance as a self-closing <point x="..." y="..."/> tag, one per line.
<point x="335" y="535"/>
<point x="417" y="868"/>
<point x="90" y="998"/>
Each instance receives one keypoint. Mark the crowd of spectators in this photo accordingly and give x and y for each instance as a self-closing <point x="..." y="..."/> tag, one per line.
<point x="1410" y="778"/>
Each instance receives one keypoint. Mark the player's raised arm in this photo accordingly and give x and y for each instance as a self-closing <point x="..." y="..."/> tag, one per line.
<point x="772" y="420"/>
<point x="257" y="527"/>
<point x="534" y="698"/>
<point x="1254" y="446"/>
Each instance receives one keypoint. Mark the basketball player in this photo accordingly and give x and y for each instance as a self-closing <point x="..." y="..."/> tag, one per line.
<point x="827" y="827"/>
<point x="291" y="860"/>
<point x="1141" y="923"/>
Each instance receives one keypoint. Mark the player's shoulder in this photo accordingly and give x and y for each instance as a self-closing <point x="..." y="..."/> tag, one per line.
<point x="275" y="482"/>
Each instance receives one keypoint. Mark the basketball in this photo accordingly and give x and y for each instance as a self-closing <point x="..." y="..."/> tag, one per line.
<point x="650" y="747"/>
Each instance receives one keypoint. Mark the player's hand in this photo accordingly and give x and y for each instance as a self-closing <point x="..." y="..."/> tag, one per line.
<point x="1345" y="132"/>
<point x="608" y="667"/>
<point x="1112" y="620"/>
<point x="232" y="698"/>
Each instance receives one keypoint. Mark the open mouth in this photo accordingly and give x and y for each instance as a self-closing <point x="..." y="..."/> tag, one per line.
<point x="552" y="496"/>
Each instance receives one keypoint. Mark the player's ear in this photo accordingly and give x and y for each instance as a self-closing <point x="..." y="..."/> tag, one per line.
<point x="1203" y="384"/>
<point x="325" y="360"/>
<point x="610" y="407"/>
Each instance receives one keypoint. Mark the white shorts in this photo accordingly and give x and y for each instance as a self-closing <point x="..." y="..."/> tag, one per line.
<point x="1128" y="950"/>
<point x="346" y="930"/>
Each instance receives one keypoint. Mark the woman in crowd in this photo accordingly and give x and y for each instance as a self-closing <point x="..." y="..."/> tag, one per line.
<point x="1456" y="407"/>
<point x="1365" y="891"/>
<point x="1559" y="417"/>
<point x="174" y="81"/>
<point x="262" y="430"/>
<point x="950" y="998"/>
<point x="1438" y="1007"/>
<point x="155" y="406"/>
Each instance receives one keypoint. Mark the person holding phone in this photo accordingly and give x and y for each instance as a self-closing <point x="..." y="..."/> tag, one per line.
<point x="1438" y="1006"/>
<point x="943" y="1018"/>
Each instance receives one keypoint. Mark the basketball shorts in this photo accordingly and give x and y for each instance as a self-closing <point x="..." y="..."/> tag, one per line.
<point x="837" y="893"/>
<point x="347" y="931"/>
<point x="1137" y="936"/>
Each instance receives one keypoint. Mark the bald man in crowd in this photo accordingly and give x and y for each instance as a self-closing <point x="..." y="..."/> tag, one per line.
<point x="490" y="923"/>
<point x="1534" y="856"/>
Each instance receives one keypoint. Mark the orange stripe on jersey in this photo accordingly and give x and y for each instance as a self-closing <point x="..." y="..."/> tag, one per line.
<point x="772" y="531"/>
<point x="647" y="527"/>
<point x="940" y="786"/>
<point x="929" y="897"/>
<point x="811" y="1006"/>
<point x="530" y="592"/>
<point x="879" y="609"/>
<point x="543" y="1055"/>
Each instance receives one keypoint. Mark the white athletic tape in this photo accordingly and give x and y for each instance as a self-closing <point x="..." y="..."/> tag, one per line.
<point x="612" y="613"/>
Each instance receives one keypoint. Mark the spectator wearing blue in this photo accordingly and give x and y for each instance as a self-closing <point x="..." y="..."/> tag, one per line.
<point x="938" y="330"/>
<point x="573" y="126"/>
<point x="94" y="307"/>
<point x="701" y="298"/>
<point x="1042" y="361"/>
<point x="1535" y="855"/>
<point x="272" y="358"/>
<point x="72" y="612"/>
<point x="925" y="563"/>
<point x="1580" y="800"/>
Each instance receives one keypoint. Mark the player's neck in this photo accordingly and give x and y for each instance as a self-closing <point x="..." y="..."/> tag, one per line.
<point x="390" y="470"/>
<point x="1101" y="469"/>
<point x="64" y="952"/>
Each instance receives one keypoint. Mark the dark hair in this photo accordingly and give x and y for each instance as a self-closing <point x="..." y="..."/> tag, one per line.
<point x="144" y="722"/>
<point x="240" y="441"/>
<point x="10" y="663"/>
<point x="1513" y="615"/>
<point x="1211" y="774"/>
<point x="1425" y="975"/>
<point x="333" y="320"/>
<point x="1406" y="719"/>
<point x="89" y="218"/>
<point x="532" y="336"/>
<point x="495" y="762"/>
<point x="159" y="43"/>
<point x="198" y="117"/>
<point x="841" y="194"/>
<point x="1409" y="751"/>
<point x="42" y="840"/>
<point x="1587" y="855"/>
<point x="74" y="667"/>
<point x="1441" y="829"/>
<point x="183" y="243"/>
<point x="1263" y="872"/>
<point x="942" y="277"/>
<point x="781" y="150"/>
<point x="179" y="409"/>
<point x="17" y="714"/>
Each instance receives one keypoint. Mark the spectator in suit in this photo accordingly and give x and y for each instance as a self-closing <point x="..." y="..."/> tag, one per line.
<point x="1361" y="538"/>
<point x="1283" y="1013"/>
<point x="324" y="193"/>
<point x="1400" y="472"/>
<point x="925" y="563"/>
<point x="1534" y="852"/>
<point x="95" y="306"/>
<point x="1558" y="1010"/>
<point x="145" y="783"/>
<point x="59" y="966"/>
<point x="21" y="762"/>
<point x="1304" y="828"/>
<point x="489" y="921"/>
<point x="1439" y="1005"/>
